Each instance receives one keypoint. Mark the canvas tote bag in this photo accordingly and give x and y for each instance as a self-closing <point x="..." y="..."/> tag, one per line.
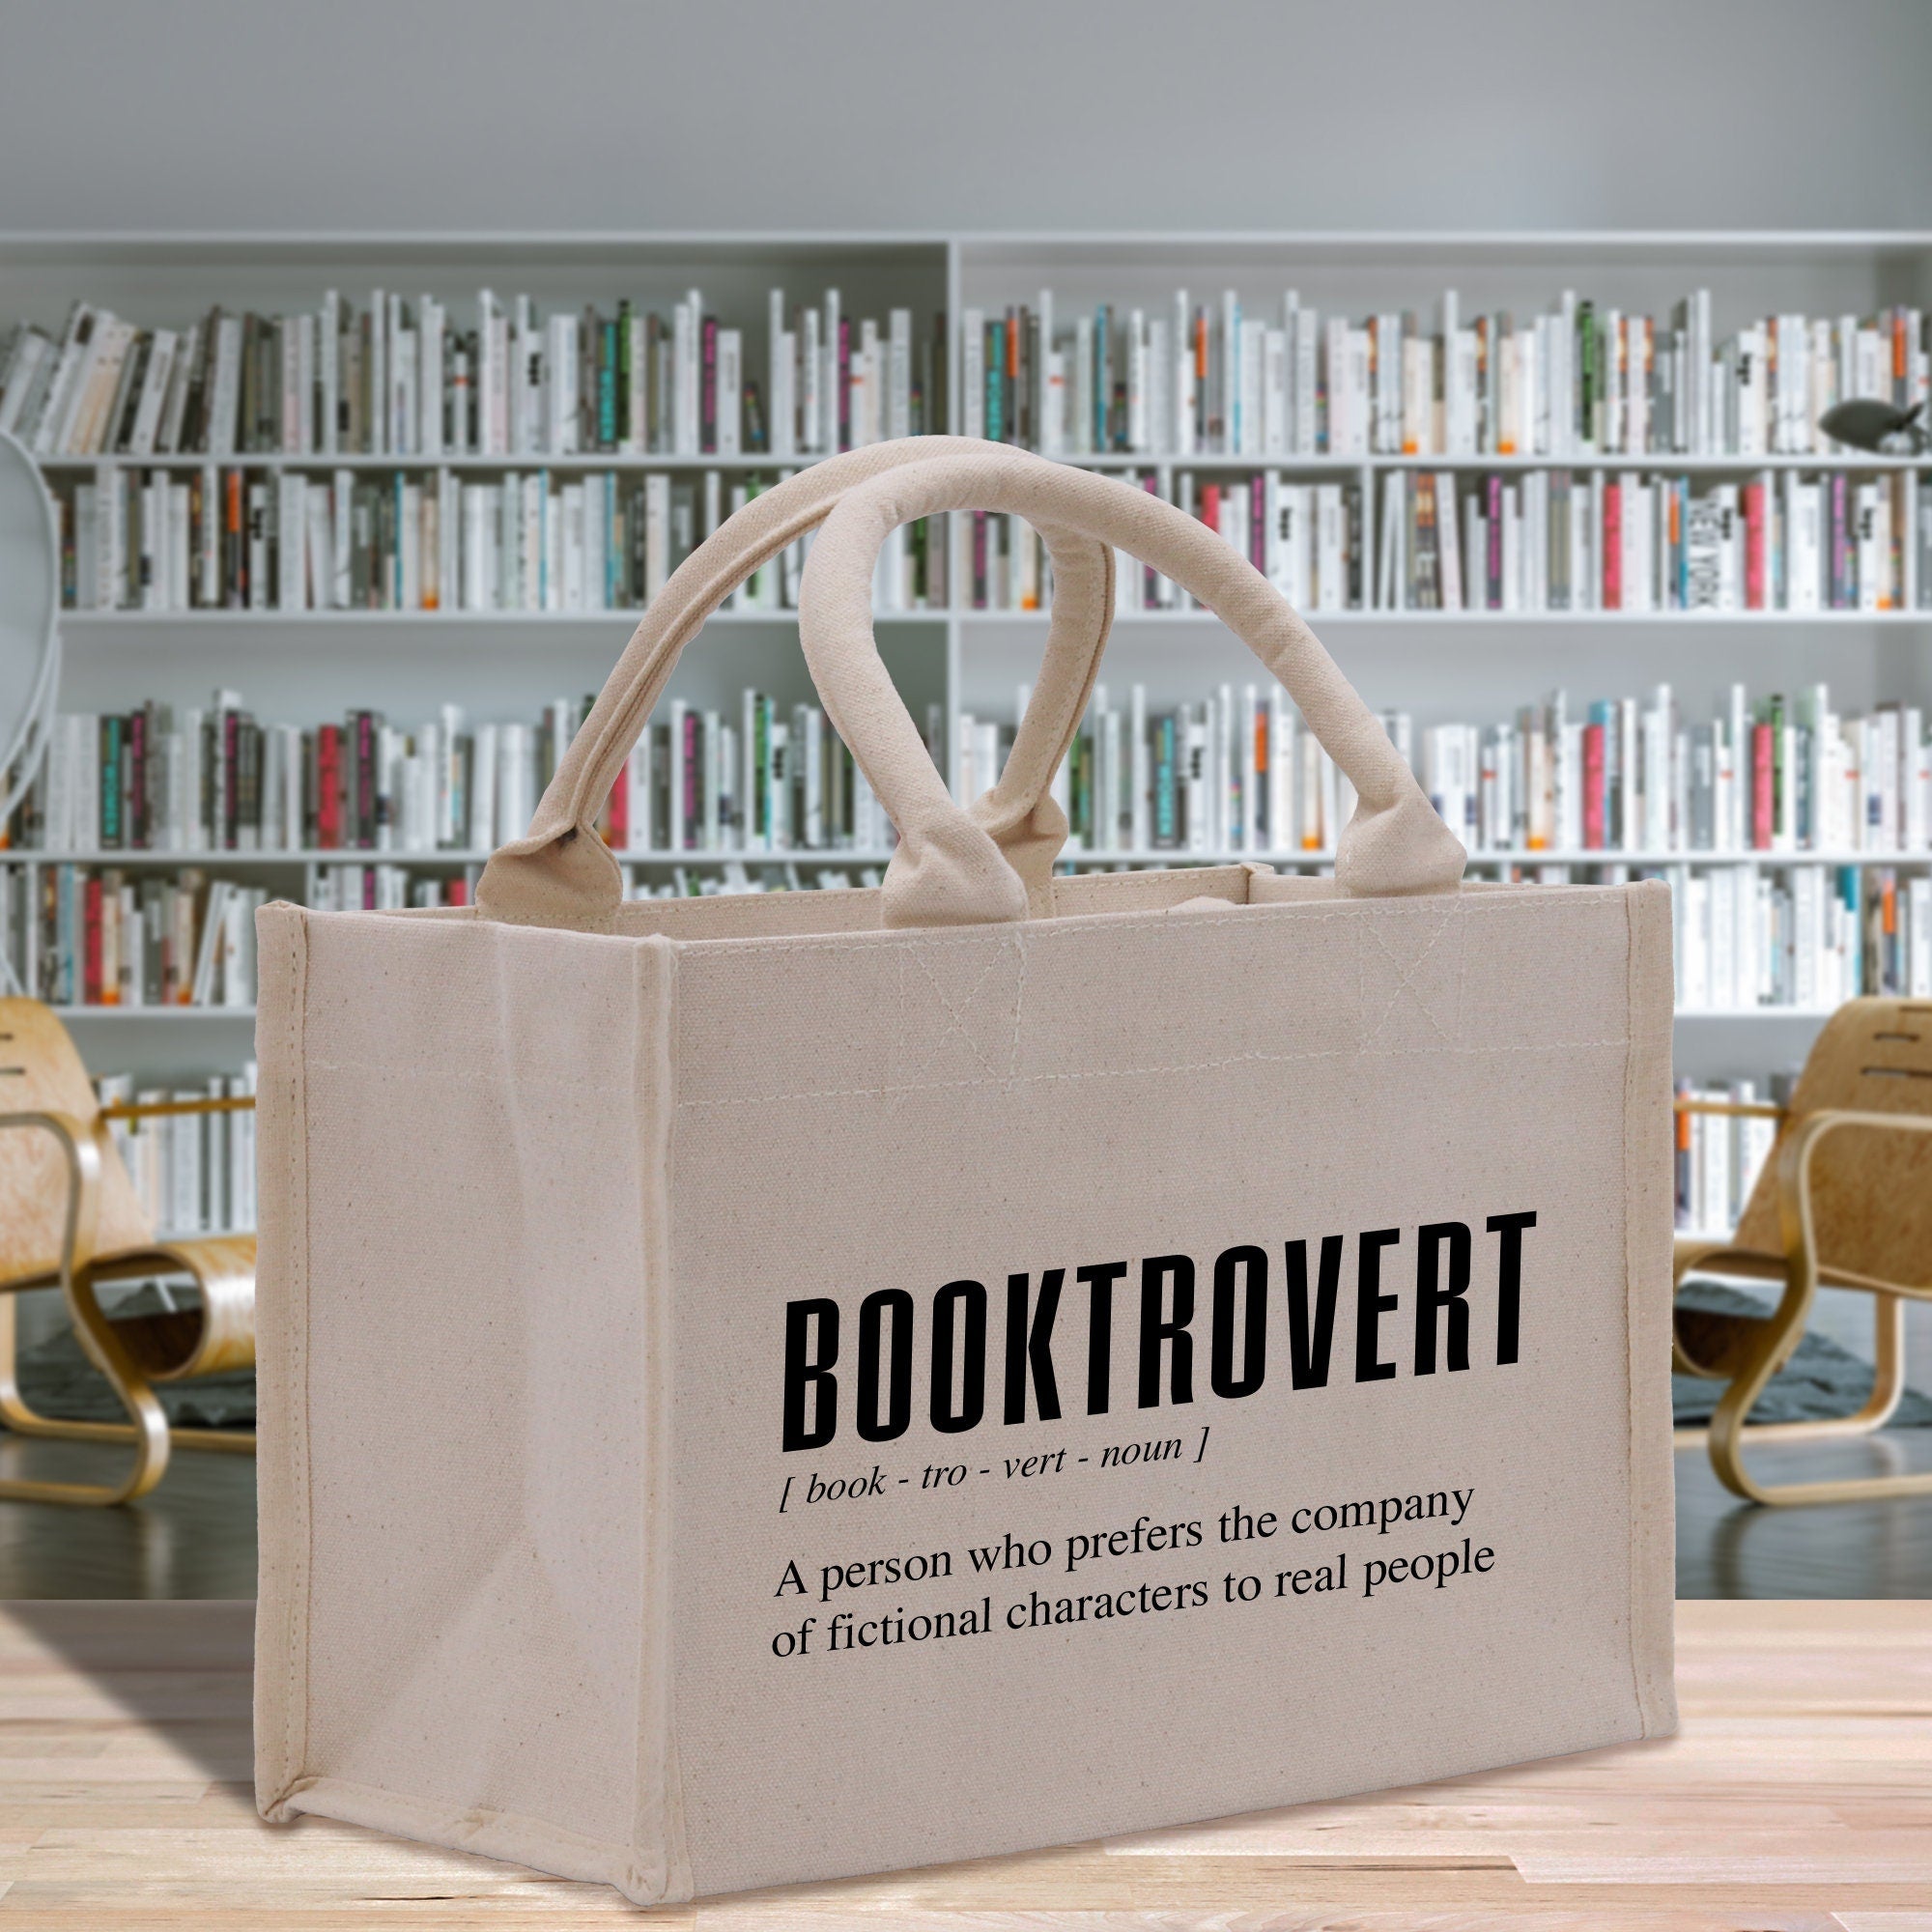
<point x="768" y="1387"/>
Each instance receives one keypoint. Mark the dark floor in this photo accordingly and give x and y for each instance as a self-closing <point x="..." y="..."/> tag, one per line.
<point x="195" y="1535"/>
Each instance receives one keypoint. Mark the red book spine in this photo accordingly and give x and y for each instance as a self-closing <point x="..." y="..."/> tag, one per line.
<point x="1755" y="547"/>
<point x="1762" y="751"/>
<point x="135" y="832"/>
<point x="328" y="787"/>
<point x="618" y="819"/>
<point x="1613" y="547"/>
<point x="694" y="759"/>
<point x="1211" y="506"/>
<point x="365" y="780"/>
<point x="90" y="965"/>
<point x="1593" y="787"/>
<point x="1492" y="562"/>
<point x="234" y="551"/>
<point x="458" y="893"/>
<point x="707" y="386"/>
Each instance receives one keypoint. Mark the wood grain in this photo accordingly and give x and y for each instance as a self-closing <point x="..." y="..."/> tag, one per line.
<point x="1798" y="1798"/>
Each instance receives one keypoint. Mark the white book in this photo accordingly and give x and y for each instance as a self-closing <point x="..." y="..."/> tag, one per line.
<point x="292" y="540"/>
<point x="680" y="828"/>
<point x="899" y="378"/>
<point x="329" y="368"/>
<point x="973" y="373"/>
<point x="560" y="370"/>
<point x="657" y="533"/>
<point x="225" y="388"/>
<point x="1184" y="401"/>
<point x="1331" y="529"/>
<point x="481" y="833"/>
<point x="1274" y="392"/>
<point x="1280" y="828"/>
<point x="811" y="386"/>
<point x="685" y="320"/>
<point x="214" y="919"/>
<point x="1138" y="782"/>
<point x="31" y="355"/>
<point x="73" y="356"/>
<point x="1305" y="349"/>
<point x="1228" y="402"/>
<point x="1449" y="540"/>
<point x="70" y="406"/>
<point x="431" y="323"/>
<point x="385" y="329"/>
<point x="781" y="350"/>
<point x="1081" y="441"/>
<point x="1250" y="769"/>
<point x="154" y="392"/>
<point x="1253" y="341"/>
<point x="831" y="392"/>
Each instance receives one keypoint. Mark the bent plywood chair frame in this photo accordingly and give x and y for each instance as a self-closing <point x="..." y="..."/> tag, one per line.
<point x="88" y="1231"/>
<point x="1865" y="1224"/>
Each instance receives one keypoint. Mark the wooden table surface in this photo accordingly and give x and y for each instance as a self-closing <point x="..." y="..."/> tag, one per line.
<point x="1798" y="1798"/>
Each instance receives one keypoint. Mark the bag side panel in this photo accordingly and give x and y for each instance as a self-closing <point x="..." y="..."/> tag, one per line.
<point x="478" y="1175"/>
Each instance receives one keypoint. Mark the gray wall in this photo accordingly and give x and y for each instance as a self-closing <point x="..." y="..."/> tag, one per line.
<point x="992" y="113"/>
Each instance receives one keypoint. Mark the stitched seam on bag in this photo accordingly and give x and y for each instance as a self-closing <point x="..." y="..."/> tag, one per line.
<point x="438" y="1076"/>
<point x="672" y="1852"/>
<point x="299" y="1602"/>
<point x="957" y="1013"/>
<point x="1019" y="1006"/>
<point x="1408" y="976"/>
<point x="1185" y="1066"/>
<point x="1632" y="1529"/>
<point x="926" y="939"/>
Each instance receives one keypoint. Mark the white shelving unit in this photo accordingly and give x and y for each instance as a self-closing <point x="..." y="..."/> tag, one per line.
<point x="313" y="665"/>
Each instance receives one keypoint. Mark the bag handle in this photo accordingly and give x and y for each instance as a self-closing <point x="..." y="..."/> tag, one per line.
<point x="561" y="874"/>
<point x="946" y="869"/>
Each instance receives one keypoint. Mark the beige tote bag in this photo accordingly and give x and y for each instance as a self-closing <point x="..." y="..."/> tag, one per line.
<point x="768" y="1387"/>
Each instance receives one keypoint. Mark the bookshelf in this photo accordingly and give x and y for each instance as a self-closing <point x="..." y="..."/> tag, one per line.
<point x="1436" y="665"/>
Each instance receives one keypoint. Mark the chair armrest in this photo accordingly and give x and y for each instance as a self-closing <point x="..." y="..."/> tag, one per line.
<point x="79" y="1142"/>
<point x="1753" y="1110"/>
<point x="144" y="1110"/>
<point x="1794" y="1218"/>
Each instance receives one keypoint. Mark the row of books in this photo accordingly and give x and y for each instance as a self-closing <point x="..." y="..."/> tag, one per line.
<point x="93" y="936"/>
<point x="1784" y="774"/>
<point x="80" y="935"/>
<point x="1553" y="539"/>
<point x="405" y="376"/>
<point x="1307" y="539"/>
<point x="194" y="1173"/>
<point x="1720" y="1156"/>
<point x="232" y="538"/>
<point x="1811" y="938"/>
<point x="1280" y="378"/>
<point x="1563" y="540"/>
<point x="1239" y="771"/>
<point x="1548" y="540"/>
<point x="100" y="936"/>
<point x="774" y="778"/>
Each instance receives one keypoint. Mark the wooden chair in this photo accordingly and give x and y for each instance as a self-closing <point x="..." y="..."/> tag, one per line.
<point x="1844" y="1201"/>
<point x="68" y="1220"/>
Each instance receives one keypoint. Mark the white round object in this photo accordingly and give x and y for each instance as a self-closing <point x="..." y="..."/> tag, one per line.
<point x="29" y="619"/>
